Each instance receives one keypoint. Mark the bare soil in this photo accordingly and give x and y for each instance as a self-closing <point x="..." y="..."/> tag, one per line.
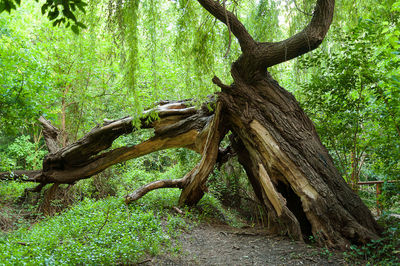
<point x="216" y="244"/>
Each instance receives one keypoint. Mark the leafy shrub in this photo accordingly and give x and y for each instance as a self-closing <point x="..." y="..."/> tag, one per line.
<point x="383" y="251"/>
<point x="390" y="197"/>
<point x="24" y="153"/>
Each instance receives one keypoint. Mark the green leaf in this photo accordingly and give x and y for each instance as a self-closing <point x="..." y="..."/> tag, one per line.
<point x="53" y="14"/>
<point x="81" y="7"/>
<point x="44" y="8"/>
<point x="80" y="24"/>
<point x="67" y="13"/>
<point x="75" y="29"/>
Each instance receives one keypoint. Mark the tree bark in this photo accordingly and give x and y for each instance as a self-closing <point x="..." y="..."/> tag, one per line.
<point x="290" y="170"/>
<point x="179" y="125"/>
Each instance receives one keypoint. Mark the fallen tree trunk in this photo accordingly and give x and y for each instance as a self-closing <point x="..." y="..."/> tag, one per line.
<point x="291" y="171"/>
<point x="179" y="125"/>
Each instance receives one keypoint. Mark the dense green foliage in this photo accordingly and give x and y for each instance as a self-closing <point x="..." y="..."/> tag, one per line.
<point x="130" y="54"/>
<point x="383" y="251"/>
<point x="78" y="236"/>
<point x="352" y="94"/>
<point x="59" y="12"/>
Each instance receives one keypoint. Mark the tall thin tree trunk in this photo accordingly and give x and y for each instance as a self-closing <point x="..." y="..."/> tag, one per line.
<point x="64" y="134"/>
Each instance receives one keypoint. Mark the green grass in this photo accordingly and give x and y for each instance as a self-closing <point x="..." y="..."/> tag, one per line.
<point x="106" y="231"/>
<point x="103" y="231"/>
<point x="92" y="232"/>
<point x="9" y="190"/>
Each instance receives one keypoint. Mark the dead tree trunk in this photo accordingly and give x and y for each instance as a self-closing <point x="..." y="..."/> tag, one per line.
<point x="290" y="170"/>
<point x="179" y="125"/>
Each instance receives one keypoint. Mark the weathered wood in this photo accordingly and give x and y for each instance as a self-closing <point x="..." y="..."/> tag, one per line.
<point x="194" y="188"/>
<point x="179" y="125"/>
<point x="258" y="56"/>
<point x="51" y="134"/>
<point x="166" y="183"/>
<point x="291" y="172"/>
<point x="279" y="138"/>
<point x="193" y="183"/>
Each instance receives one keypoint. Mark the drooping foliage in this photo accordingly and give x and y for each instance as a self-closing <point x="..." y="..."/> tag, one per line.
<point x="152" y="55"/>
<point x="183" y="41"/>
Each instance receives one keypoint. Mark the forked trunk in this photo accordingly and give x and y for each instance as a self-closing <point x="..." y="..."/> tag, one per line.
<point x="289" y="168"/>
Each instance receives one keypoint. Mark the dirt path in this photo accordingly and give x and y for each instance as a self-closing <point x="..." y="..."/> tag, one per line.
<point x="224" y="245"/>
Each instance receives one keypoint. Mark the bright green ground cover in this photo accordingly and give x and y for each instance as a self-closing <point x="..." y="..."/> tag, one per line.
<point x="92" y="232"/>
<point x="104" y="231"/>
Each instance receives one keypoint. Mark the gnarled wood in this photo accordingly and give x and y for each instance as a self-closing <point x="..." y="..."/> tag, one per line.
<point x="51" y="134"/>
<point x="261" y="55"/>
<point x="291" y="172"/>
<point x="270" y="54"/>
<point x="218" y="11"/>
<point x="280" y="139"/>
<point x="165" y="183"/>
<point x="193" y="183"/>
<point x="179" y="125"/>
<point x="194" y="190"/>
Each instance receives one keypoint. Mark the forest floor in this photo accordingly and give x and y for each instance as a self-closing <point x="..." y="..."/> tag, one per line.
<point x="219" y="244"/>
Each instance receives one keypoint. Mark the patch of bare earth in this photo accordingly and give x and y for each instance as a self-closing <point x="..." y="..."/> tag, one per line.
<point x="210" y="244"/>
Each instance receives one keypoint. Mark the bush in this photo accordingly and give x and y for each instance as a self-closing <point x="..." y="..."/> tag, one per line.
<point x="383" y="251"/>
<point x="24" y="153"/>
<point x="390" y="197"/>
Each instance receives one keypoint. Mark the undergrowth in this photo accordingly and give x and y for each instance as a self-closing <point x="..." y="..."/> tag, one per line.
<point x="107" y="231"/>
<point x="99" y="228"/>
<point x="91" y="232"/>
<point x="383" y="251"/>
<point x="96" y="227"/>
